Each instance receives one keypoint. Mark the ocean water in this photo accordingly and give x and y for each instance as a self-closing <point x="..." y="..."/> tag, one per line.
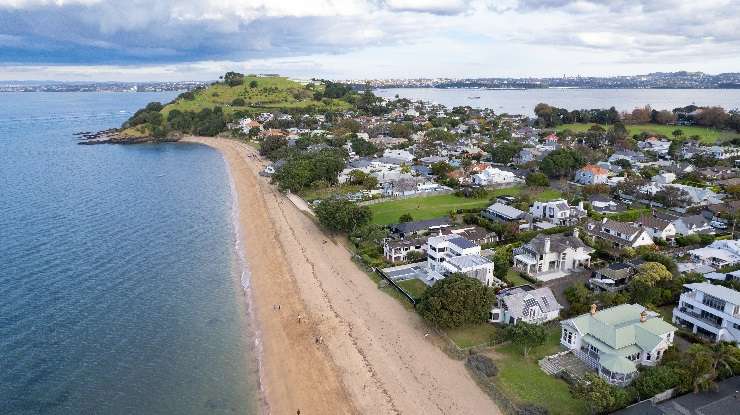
<point x="524" y="101"/>
<point x="119" y="286"/>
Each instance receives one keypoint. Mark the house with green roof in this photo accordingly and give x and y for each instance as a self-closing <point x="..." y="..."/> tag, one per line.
<point x="616" y="340"/>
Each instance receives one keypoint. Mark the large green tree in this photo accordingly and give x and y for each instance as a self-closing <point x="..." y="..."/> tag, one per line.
<point x="342" y="215"/>
<point x="456" y="301"/>
<point x="526" y="336"/>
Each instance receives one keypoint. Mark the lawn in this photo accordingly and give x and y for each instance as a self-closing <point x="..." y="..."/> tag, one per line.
<point x="523" y="380"/>
<point x="470" y="336"/>
<point x="708" y="135"/>
<point x="513" y="276"/>
<point x="413" y="287"/>
<point x="311" y="194"/>
<point x="430" y="207"/>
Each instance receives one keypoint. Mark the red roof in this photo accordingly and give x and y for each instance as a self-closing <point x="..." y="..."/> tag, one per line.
<point x="596" y="170"/>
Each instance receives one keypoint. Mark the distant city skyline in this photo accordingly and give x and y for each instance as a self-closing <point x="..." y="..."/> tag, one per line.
<point x="103" y="40"/>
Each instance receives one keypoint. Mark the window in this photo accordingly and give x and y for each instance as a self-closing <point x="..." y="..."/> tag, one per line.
<point x="714" y="302"/>
<point x="648" y="356"/>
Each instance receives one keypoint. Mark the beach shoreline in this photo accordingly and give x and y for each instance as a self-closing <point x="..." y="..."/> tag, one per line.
<point x="355" y="349"/>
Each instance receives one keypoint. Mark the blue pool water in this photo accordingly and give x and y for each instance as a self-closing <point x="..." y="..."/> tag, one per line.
<point x="119" y="286"/>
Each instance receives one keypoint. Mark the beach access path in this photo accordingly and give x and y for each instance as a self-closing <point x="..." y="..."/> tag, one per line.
<point x="373" y="356"/>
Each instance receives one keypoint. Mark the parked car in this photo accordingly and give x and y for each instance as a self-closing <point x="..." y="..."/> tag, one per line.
<point x="717" y="224"/>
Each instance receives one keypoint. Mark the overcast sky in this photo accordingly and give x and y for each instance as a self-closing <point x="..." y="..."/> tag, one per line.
<point x="138" y="40"/>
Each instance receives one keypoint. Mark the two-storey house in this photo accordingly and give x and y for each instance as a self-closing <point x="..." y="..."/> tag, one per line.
<point x="552" y="253"/>
<point x="449" y="254"/>
<point x="525" y="303"/>
<point x="558" y="212"/>
<point x="617" y="340"/>
<point x="618" y="234"/>
<point x="710" y="310"/>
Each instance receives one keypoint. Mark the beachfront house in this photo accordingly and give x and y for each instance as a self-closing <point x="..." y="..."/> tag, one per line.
<point x="397" y="250"/>
<point x="712" y="311"/>
<point x="552" y="256"/>
<point x="525" y="303"/>
<point x="617" y="340"/>
<point x="449" y="254"/>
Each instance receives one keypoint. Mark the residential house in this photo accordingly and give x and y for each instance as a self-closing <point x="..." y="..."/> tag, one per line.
<point x="633" y="157"/>
<point x="664" y="178"/>
<point x="555" y="254"/>
<point x="526" y="304"/>
<point x="689" y="225"/>
<point x="478" y="235"/>
<point x="722" y="152"/>
<point x="492" y="176"/>
<point x="409" y="229"/>
<point x="450" y="254"/>
<point x="396" y="250"/>
<point x="402" y="156"/>
<point x="657" y="228"/>
<point x="602" y="203"/>
<point x="710" y="310"/>
<point x="718" y="254"/>
<point x="616" y="340"/>
<point x="529" y="154"/>
<point x="501" y="212"/>
<point x="558" y="212"/>
<point x="618" y="234"/>
<point x="612" y="278"/>
<point x="591" y="174"/>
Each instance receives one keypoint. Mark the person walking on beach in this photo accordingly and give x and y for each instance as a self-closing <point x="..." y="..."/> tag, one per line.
<point x="299" y="318"/>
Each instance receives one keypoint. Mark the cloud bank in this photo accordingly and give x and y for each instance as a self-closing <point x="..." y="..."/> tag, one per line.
<point x="347" y="38"/>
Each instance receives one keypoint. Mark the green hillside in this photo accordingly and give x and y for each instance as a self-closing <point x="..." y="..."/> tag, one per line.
<point x="259" y="94"/>
<point x="206" y="111"/>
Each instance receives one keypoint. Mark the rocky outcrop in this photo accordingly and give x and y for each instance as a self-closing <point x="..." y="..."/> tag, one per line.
<point x="114" y="136"/>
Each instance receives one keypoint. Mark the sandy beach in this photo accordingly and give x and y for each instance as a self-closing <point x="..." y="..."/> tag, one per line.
<point x="373" y="357"/>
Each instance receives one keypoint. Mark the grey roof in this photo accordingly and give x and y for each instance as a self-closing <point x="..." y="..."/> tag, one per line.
<point x="722" y="401"/>
<point x="467" y="261"/>
<point x="653" y="222"/>
<point x="694" y="220"/>
<point x="558" y="243"/>
<point x="505" y="211"/>
<point x="421" y="225"/>
<point x="462" y="242"/>
<point x="518" y="302"/>
<point x="718" y="291"/>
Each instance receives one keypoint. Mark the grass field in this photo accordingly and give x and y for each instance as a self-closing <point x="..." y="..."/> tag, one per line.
<point x="470" y="336"/>
<point x="523" y="380"/>
<point x="270" y="93"/>
<point x="311" y="194"/>
<point x="422" y="208"/>
<point x="708" y="135"/>
<point x="413" y="287"/>
<point x="513" y="276"/>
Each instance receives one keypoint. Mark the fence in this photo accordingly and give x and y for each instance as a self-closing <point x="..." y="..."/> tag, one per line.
<point x="411" y="196"/>
<point x="393" y="283"/>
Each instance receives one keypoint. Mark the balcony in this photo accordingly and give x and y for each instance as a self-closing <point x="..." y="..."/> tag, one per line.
<point x="697" y="316"/>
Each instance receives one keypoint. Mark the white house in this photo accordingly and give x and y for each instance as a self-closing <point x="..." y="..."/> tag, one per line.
<point x="502" y="212"/>
<point x="525" y="303"/>
<point x="492" y="175"/>
<point x="617" y="340"/>
<point x="718" y="254"/>
<point x="590" y="174"/>
<point x="401" y="155"/>
<point x="689" y="225"/>
<point x="619" y="234"/>
<point x="552" y="253"/>
<point x="664" y="178"/>
<point x="710" y="310"/>
<point x="558" y="212"/>
<point x="658" y="228"/>
<point x="448" y="254"/>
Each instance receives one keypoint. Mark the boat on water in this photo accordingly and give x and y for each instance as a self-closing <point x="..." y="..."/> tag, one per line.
<point x="473" y="97"/>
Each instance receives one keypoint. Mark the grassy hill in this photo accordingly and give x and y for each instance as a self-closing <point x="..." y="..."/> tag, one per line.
<point x="255" y="94"/>
<point x="269" y="93"/>
<point x="708" y="135"/>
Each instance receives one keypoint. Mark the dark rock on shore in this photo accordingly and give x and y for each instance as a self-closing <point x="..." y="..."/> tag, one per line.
<point x="113" y="136"/>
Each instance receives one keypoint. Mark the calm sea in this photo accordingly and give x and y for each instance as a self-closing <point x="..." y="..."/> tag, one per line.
<point x="523" y="101"/>
<point x="119" y="291"/>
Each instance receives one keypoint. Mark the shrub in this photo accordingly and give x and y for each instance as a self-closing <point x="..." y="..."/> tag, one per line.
<point x="238" y="102"/>
<point x="482" y="364"/>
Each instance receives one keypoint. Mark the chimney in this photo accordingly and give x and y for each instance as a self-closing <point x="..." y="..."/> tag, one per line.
<point x="547" y="245"/>
<point x="575" y="233"/>
<point x="603" y="220"/>
<point x="643" y="316"/>
<point x="580" y="205"/>
<point x="593" y="309"/>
